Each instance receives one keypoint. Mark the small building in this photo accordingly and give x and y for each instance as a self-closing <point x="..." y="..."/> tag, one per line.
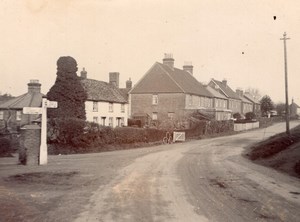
<point x="105" y="103"/>
<point x="11" y="111"/>
<point x="294" y="109"/>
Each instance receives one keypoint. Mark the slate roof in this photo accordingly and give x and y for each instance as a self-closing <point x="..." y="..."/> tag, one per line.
<point x="215" y="93"/>
<point x="163" y="79"/>
<point x="30" y="99"/>
<point x="251" y="98"/>
<point x="102" y="91"/>
<point x="226" y="89"/>
<point x="245" y="100"/>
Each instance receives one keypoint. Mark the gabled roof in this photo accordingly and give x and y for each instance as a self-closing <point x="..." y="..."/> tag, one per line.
<point x="245" y="100"/>
<point x="163" y="79"/>
<point x="215" y="93"/>
<point x="226" y="89"/>
<point x="251" y="98"/>
<point x="30" y="99"/>
<point x="102" y="91"/>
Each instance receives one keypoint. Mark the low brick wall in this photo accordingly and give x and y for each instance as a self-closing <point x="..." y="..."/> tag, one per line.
<point x="245" y="126"/>
<point x="30" y="145"/>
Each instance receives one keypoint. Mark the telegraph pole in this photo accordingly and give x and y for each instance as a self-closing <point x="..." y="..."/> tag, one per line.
<point x="287" y="110"/>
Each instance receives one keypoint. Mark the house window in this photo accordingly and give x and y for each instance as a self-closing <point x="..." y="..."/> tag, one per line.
<point x="95" y="106"/>
<point x="103" y="120"/>
<point x="95" y="119"/>
<point x="1" y="115"/>
<point x="110" y="107"/>
<point x="18" y="115"/>
<point x="154" y="116"/>
<point x="110" y="121"/>
<point x="190" y="100"/>
<point x="154" y="99"/>
<point x="122" y="108"/>
<point x="171" y="116"/>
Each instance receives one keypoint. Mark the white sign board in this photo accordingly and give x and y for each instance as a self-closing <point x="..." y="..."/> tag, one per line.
<point x="32" y="110"/>
<point x="50" y="104"/>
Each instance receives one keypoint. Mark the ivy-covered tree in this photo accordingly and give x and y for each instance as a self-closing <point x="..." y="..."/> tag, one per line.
<point x="67" y="91"/>
<point x="266" y="104"/>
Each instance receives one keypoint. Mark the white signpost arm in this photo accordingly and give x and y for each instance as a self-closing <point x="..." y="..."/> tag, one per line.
<point x="43" y="147"/>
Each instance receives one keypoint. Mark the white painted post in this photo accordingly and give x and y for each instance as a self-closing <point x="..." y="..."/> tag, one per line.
<point x="43" y="148"/>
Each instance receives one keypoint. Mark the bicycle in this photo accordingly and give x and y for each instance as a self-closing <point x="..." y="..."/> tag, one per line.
<point x="168" y="139"/>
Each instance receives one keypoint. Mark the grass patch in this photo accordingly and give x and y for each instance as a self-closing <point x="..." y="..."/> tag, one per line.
<point x="48" y="178"/>
<point x="274" y="144"/>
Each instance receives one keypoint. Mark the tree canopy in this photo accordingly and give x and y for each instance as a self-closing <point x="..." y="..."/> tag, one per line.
<point x="67" y="91"/>
<point x="266" y="104"/>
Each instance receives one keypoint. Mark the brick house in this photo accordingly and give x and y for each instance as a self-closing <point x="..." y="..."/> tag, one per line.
<point x="105" y="103"/>
<point x="168" y="93"/>
<point x="220" y="103"/>
<point x="11" y="111"/>
<point x="234" y="101"/>
<point x="247" y="105"/>
<point x="255" y="103"/>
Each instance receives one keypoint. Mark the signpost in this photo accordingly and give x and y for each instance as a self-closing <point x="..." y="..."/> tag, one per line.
<point x="42" y="110"/>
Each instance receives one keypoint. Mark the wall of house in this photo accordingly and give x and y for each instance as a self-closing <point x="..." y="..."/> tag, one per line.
<point x="220" y="103"/>
<point x="16" y="118"/>
<point x="247" y="107"/>
<point x="198" y="102"/>
<point x="101" y="113"/>
<point x="169" y="105"/>
<point x="235" y="106"/>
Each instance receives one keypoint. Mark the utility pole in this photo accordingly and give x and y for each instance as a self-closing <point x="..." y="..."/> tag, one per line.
<point x="287" y="110"/>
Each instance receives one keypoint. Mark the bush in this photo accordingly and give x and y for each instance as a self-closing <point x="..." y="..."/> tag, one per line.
<point x="5" y="147"/>
<point x="237" y="116"/>
<point x="65" y="130"/>
<point x="250" y="115"/>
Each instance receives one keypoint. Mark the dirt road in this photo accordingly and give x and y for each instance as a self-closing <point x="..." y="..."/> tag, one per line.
<point x="204" y="180"/>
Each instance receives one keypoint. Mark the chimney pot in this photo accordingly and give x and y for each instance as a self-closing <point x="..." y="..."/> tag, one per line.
<point x="114" y="78"/>
<point x="83" y="73"/>
<point x="129" y="84"/>
<point x="168" y="60"/>
<point x="188" y="67"/>
<point x="34" y="86"/>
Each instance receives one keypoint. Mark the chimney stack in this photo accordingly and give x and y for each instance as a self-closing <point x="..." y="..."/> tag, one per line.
<point x="114" y="78"/>
<point x="129" y="84"/>
<point x="83" y="73"/>
<point x="240" y="92"/>
<point x="188" y="67"/>
<point x="224" y="81"/>
<point x="34" y="86"/>
<point x="168" y="60"/>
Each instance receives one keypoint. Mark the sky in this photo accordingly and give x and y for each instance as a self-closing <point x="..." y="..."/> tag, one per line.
<point x="236" y="40"/>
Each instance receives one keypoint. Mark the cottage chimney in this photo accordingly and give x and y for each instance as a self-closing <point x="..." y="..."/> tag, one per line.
<point x="224" y="81"/>
<point x="114" y="78"/>
<point x="129" y="84"/>
<point x="168" y="60"/>
<point x="34" y="86"/>
<point x="240" y="92"/>
<point x="83" y="73"/>
<point x="188" y="67"/>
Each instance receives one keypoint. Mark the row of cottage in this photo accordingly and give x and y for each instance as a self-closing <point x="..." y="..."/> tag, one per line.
<point x="163" y="93"/>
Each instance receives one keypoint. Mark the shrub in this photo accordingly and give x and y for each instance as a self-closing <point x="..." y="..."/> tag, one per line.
<point x="250" y="115"/>
<point x="237" y="116"/>
<point x="5" y="147"/>
<point x="65" y="130"/>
